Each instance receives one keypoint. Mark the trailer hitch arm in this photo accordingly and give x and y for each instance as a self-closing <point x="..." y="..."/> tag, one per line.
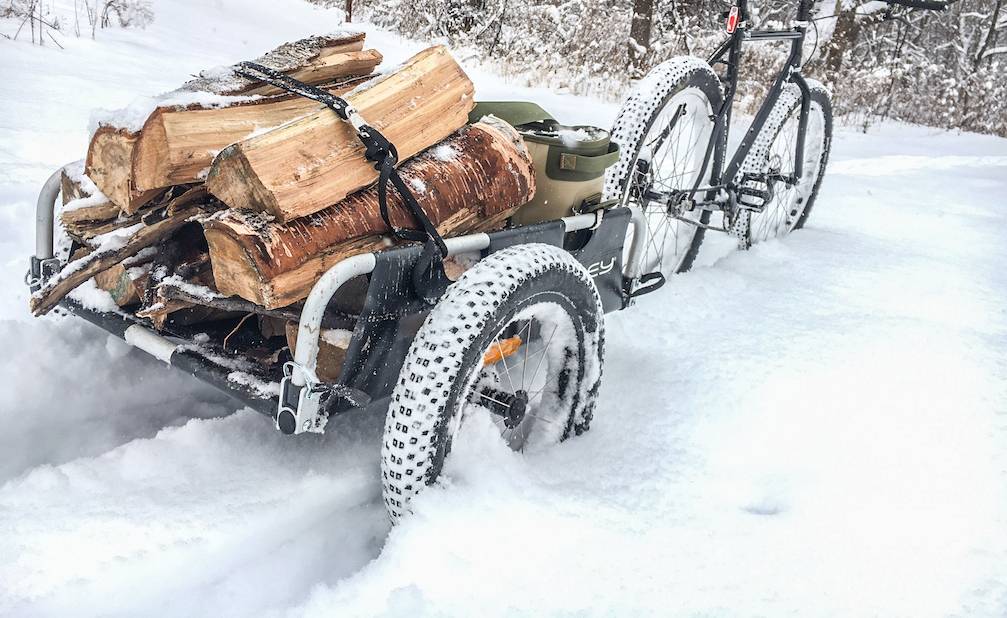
<point x="44" y="264"/>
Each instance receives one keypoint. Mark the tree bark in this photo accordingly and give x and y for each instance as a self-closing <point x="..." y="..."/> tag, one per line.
<point x="639" y="34"/>
<point x="844" y="36"/>
<point x="990" y="35"/>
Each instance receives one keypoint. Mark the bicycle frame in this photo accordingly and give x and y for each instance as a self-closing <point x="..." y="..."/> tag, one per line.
<point x="791" y="72"/>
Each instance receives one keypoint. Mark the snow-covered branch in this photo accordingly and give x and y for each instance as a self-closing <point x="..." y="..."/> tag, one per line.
<point x="913" y="65"/>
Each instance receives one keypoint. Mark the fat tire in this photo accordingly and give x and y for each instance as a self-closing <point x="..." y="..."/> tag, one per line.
<point x="821" y="95"/>
<point x="448" y="349"/>
<point x="789" y="104"/>
<point x="639" y="112"/>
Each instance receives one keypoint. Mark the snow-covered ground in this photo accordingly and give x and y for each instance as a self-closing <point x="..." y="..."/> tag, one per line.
<point x="817" y="427"/>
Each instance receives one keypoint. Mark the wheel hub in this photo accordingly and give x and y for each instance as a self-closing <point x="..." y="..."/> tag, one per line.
<point x="512" y="407"/>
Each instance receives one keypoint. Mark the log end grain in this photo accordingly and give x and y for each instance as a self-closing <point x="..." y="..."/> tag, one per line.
<point x="109" y="162"/>
<point x="149" y="165"/>
<point x="232" y="181"/>
<point x="234" y="272"/>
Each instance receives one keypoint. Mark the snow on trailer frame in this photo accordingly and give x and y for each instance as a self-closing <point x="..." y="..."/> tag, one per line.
<point x="298" y="401"/>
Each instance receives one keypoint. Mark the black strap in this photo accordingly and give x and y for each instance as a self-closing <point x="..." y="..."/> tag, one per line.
<point x="257" y="72"/>
<point x="429" y="277"/>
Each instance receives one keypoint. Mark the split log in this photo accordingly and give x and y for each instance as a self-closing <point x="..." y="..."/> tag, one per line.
<point x="105" y="257"/>
<point x="84" y="207"/>
<point x="181" y="314"/>
<point x="177" y="144"/>
<point x="85" y="232"/>
<point x="109" y="162"/>
<point x="176" y="290"/>
<point x="307" y="164"/>
<point x="79" y="225"/>
<point x="286" y="58"/>
<point x="182" y="257"/>
<point x="470" y="182"/>
<point x="325" y="69"/>
<point x="317" y="60"/>
<point x="88" y="216"/>
<point x="74" y="184"/>
<point x="87" y="213"/>
<point x="81" y="221"/>
<point x="70" y="188"/>
<point x="182" y="309"/>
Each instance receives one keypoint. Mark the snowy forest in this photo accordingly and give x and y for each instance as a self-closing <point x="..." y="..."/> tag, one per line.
<point x="42" y="23"/>
<point x="945" y="70"/>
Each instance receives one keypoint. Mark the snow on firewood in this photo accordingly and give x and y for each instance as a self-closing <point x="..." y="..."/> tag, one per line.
<point x="223" y="80"/>
<point x="132" y="117"/>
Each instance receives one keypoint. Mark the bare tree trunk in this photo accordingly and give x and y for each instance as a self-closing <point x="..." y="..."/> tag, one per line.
<point x="990" y="34"/>
<point x="639" y="34"/>
<point x="843" y="37"/>
<point x="349" y="11"/>
<point x="499" y="28"/>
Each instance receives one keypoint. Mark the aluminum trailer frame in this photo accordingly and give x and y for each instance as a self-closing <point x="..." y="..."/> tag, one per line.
<point x="297" y="400"/>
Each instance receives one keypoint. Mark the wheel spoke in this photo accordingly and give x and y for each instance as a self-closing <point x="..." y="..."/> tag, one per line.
<point x="782" y="212"/>
<point x="675" y="166"/>
<point x="544" y="350"/>
<point x="503" y="360"/>
<point x="496" y="401"/>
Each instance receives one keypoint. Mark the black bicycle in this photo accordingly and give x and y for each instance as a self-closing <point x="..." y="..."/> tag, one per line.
<point x="673" y="131"/>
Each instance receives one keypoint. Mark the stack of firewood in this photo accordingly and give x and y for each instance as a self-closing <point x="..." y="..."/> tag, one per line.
<point x="231" y="195"/>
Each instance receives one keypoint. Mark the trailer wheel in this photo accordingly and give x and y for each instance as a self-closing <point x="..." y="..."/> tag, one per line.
<point x="518" y="337"/>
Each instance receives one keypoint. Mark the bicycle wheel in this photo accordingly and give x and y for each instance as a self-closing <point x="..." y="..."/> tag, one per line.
<point x="663" y="129"/>
<point x="519" y="338"/>
<point x="790" y="201"/>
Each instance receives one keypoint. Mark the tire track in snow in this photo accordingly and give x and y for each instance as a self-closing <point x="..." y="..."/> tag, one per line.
<point x="217" y="517"/>
<point x="71" y="391"/>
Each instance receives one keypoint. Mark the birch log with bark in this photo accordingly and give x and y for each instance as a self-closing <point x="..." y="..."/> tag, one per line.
<point x="469" y="182"/>
<point x="286" y="58"/>
<point x="308" y="164"/>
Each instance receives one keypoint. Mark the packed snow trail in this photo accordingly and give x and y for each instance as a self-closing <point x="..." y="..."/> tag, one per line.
<point x="817" y="427"/>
